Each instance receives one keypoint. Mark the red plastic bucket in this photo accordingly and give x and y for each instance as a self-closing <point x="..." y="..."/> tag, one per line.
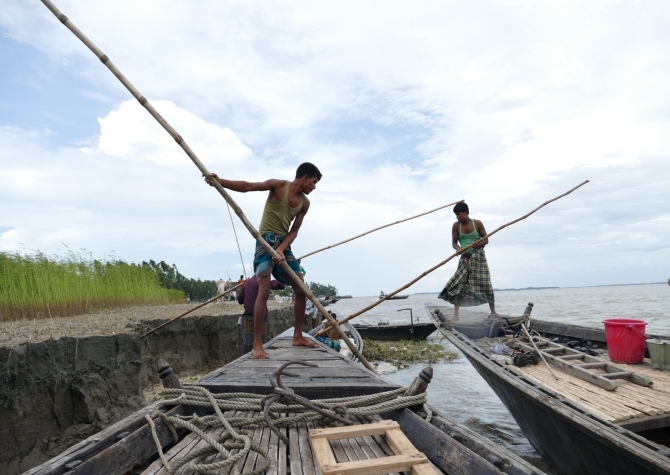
<point x="625" y="339"/>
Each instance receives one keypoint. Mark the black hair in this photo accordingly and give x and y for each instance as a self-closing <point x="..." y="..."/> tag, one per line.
<point x="462" y="206"/>
<point x="308" y="169"/>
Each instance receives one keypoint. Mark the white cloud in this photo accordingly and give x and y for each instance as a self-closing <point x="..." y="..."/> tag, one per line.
<point x="130" y="131"/>
<point x="403" y="108"/>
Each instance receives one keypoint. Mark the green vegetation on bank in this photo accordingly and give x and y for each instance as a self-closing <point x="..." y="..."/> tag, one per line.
<point x="405" y="352"/>
<point x="314" y="287"/>
<point x="170" y="278"/>
<point x="40" y="286"/>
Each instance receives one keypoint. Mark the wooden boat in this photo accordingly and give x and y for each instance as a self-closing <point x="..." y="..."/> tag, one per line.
<point x="577" y="426"/>
<point x="442" y="445"/>
<point x="394" y="297"/>
<point x="418" y="331"/>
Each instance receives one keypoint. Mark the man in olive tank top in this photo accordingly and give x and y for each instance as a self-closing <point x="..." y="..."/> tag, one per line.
<point x="471" y="284"/>
<point x="287" y="202"/>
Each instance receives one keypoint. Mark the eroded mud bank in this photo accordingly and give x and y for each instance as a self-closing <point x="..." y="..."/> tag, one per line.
<point x="56" y="392"/>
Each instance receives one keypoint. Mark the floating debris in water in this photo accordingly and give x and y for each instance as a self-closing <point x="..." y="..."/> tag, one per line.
<point x="405" y="352"/>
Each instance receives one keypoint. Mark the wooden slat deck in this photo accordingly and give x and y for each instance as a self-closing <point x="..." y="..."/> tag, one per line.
<point x="628" y="405"/>
<point x="334" y="377"/>
<point x="297" y="457"/>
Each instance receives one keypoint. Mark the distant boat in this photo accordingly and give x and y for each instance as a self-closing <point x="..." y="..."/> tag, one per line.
<point x="418" y="331"/>
<point x="394" y="297"/>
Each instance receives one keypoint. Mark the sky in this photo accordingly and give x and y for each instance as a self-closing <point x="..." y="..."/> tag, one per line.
<point x="403" y="106"/>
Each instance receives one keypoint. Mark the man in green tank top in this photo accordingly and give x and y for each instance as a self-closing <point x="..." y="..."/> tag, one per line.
<point x="471" y="284"/>
<point x="287" y="202"/>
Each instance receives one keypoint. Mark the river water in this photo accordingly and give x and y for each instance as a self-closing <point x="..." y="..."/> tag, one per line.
<point x="458" y="390"/>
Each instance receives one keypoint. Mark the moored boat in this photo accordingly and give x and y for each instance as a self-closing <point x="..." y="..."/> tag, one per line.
<point x="596" y="418"/>
<point x="393" y="297"/>
<point x="418" y="331"/>
<point x="436" y="444"/>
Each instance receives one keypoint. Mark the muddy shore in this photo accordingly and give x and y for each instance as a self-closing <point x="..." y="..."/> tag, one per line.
<point x="67" y="378"/>
<point x="109" y="321"/>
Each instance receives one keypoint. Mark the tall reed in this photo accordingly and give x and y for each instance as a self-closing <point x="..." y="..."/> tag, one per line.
<point x="40" y="286"/>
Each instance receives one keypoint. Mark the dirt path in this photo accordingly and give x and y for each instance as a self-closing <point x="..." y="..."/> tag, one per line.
<point x="108" y="322"/>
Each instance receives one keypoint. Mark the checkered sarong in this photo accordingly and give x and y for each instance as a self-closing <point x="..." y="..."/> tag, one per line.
<point x="248" y="333"/>
<point x="471" y="284"/>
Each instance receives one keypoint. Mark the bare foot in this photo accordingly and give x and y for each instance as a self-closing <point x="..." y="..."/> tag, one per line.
<point x="300" y="340"/>
<point x="259" y="353"/>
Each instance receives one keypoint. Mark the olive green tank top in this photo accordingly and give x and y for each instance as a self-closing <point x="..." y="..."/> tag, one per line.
<point x="469" y="238"/>
<point x="277" y="216"/>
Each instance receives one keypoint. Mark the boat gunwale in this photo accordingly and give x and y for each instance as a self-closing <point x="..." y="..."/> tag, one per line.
<point x="569" y="411"/>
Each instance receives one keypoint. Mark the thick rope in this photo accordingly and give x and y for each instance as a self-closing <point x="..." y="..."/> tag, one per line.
<point x="281" y="416"/>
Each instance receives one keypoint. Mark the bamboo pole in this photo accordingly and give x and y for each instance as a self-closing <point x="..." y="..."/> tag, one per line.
<point x="205" y="172"/>
<point x="189" y="311"/>
<point x="377" y="229"/>
<point x="530" y="338"/>
<point x="413" y="281"/>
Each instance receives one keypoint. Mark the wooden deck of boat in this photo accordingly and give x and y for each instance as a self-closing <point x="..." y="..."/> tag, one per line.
<point x="334" y="376"/>
<point x="296" y="459"/>
<point x="630" y="405"/>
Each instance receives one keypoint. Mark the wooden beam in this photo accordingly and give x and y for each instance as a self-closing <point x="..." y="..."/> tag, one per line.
<point x="394" y="463"/>
<point x="360" y="430"/>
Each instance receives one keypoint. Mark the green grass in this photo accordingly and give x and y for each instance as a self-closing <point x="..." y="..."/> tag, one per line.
<point x="39" y="286"/>
<point x="404" y="352"/>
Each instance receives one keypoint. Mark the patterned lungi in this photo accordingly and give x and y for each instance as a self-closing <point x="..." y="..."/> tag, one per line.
<point x="471" y="284"/>
<point x="264" y="266"/>
<point x="248" y="332"/>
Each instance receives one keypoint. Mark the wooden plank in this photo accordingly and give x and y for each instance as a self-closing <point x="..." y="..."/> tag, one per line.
<point x="423" y="469"/>
<point x="444" y="451"/>
<point x="282" y="463"/>
<point x="640" y="424"/>
<point x="264" y="444"/>
<point x="399" y="443"/>
<point x="375" y="466"/>
<point x="348" y="450"/>
<point x="252" y="456"/>
<point x="322" y="453"/>
<point x="93" y="445"/>
<point x="308" y="467"/>
<point x="355" y="430"/>
<point x="294" y="451"/>
<point x="338" y="450"/>
<point x="369" y="444"/>
<point x="129" y="452"/>
<point x="273" y="454"/>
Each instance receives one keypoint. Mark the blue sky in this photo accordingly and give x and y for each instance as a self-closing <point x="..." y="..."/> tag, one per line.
<point x="403" y="108"/>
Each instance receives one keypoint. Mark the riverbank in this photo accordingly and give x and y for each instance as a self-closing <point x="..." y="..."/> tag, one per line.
<point x="114" y="321"/>
<point x="68" y="378"/>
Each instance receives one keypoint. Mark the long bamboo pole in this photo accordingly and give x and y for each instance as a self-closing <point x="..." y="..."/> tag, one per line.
<point x="182" y="143"/>
<point x="377" y="229"/>
<point x="189" y="311"/>
<point x="413" y="281"/>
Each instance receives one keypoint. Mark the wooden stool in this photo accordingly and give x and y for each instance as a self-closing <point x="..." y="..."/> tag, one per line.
<point x="406" y="456"/>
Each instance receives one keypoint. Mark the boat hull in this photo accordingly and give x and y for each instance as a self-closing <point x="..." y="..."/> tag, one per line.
<point x="396" y="332"/>
<point x="570" y="441"/>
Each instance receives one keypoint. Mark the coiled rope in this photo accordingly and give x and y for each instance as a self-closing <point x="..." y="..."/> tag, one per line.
<point x="281" y="416"/>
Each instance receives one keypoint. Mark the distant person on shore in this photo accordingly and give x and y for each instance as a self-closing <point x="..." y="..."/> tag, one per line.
<point x="247" y="297"/>
<point x="240" y="281"/>
<point x="287" y="201"/>
<point x="471" y="284"/>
